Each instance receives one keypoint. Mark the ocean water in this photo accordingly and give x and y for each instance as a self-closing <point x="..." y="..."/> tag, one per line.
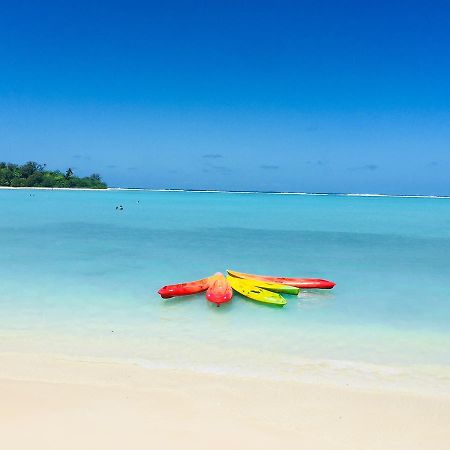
<point x="79" y="278"/>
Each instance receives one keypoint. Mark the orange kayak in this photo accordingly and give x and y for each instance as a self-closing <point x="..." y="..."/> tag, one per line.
<point x="192" y="287"/>
<point x="304" y="283"/>
<point x="219" y="290"/>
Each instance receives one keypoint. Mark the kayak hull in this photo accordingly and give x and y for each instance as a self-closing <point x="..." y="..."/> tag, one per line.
<point x="273" y="287"/>
<point x="181" y="289"/>
<point x="219" y="290"/>
<point x="249" y="290"/>
<point x="302" y="283"/>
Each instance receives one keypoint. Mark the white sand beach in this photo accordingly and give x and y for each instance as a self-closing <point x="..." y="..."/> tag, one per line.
<point x="49" y="403"/>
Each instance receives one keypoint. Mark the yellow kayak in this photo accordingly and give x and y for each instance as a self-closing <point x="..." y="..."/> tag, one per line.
<point x="270" y="286"/>
<point x="247" y="289"/>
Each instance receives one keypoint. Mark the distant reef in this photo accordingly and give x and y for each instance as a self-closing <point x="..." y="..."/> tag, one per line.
<point x="33" y="174"/>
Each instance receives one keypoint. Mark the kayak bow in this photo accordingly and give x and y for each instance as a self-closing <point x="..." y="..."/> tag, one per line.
<point x="219" y="290"/>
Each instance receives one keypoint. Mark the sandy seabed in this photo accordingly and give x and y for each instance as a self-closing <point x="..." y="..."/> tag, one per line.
<point x="52" y="403"/>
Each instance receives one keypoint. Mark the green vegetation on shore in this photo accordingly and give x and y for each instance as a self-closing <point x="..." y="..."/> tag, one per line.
<point x="33" y="174"/>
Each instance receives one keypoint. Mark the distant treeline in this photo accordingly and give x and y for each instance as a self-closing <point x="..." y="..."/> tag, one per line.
<point x="33" y="174"/>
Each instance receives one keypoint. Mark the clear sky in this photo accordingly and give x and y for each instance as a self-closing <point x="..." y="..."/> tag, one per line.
<point x="339" y="96"/>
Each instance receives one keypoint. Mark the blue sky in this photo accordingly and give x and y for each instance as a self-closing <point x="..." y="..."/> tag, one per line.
<point x="287" y="95"/>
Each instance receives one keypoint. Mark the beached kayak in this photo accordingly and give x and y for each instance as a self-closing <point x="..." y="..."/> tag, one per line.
<point x="192" y="287"/>
<point x="219" y="290"/>
<point x="247" y="289"/>
<point x="303" y="283"/>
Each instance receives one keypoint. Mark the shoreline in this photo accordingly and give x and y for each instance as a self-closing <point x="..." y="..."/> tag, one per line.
<point x="421" y="380"/>
<point x="74" y="404"/>
<point x="206" y="191"/>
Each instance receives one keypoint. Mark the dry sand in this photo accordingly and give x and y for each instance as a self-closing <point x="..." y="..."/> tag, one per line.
<point x="49" y="403"/>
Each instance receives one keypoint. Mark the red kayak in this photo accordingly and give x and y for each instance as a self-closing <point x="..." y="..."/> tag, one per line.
<point x="302" y="283"/>
<point x="219" y="290"/>
<point x="192" y="287"/>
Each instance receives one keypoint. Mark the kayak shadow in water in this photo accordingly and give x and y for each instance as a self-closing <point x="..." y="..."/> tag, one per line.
<point x="221" y="308"/>
<point x="183" y="299"/>
<point x="316" y="298"/>
<point x="176" y="301"/>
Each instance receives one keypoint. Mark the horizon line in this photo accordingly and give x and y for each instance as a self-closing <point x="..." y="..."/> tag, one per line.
<point x="218" y="191"/>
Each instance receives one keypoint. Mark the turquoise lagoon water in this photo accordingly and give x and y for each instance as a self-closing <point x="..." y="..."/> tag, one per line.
<point x="79" y="278"/>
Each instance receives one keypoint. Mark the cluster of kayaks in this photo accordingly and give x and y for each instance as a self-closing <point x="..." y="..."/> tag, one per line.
<point x="261" y="288"/>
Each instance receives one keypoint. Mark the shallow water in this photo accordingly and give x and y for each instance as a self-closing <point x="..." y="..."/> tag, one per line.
<point x="80" y="278"/>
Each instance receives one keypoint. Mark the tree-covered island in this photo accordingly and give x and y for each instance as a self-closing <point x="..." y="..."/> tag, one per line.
<point x="33" y="174"/>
